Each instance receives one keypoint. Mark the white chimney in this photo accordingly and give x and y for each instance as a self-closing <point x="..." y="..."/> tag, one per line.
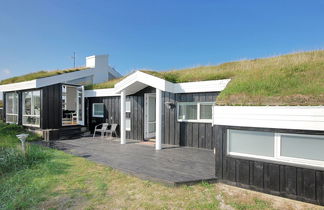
<point x="97" y="61"/>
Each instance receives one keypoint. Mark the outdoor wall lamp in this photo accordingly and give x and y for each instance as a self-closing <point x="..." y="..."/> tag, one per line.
<point x="170" y="105"/>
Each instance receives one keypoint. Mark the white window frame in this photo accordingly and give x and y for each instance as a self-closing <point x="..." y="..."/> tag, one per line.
<point x="93" y="107"/>
<point x="17" y="106"/>
<point x="32" y="108"/>
<point x="128" y="106"/>
<point x="198" y="120"/>
<point x="130" y="124"/>
<point x="278" y="158"/>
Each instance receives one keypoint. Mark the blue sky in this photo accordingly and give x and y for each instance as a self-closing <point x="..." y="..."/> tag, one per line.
<point x="160" y="35"/>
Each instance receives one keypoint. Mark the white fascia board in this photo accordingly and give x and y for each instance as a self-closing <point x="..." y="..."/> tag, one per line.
<point x="281" y="117"/>
<point x="100" y="92"/>
<point x="146" y="79"/>
<point x="63" y="78"/>
<point x="18" y="86"/>
<point x="201" y="86"/>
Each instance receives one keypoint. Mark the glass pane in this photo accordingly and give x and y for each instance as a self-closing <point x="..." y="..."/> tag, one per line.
<point x="27" y="102"/>
<point x="98" y="109"/>
<point x="304" y="147"/>
<point x="11" y="118"/>
<point x="128" y="106"/>
<point x="128" y="124"/>
<point x="251" y="142"/>
<point x="206" y="111"/>
<point x="188" y="111"/>
<point x="31" y="120"/>
<point x="152" y="110"/>
<point x="151" y="127"/>
<point x="80" y="105"/>
<point x="36" y="103"/>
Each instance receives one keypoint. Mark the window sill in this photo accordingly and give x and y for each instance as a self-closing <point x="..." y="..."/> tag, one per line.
<point x="196" y="121"/>
<point x="282" y="161"/>
<point x="98" y="116"/>
<point x="30" y="125"/>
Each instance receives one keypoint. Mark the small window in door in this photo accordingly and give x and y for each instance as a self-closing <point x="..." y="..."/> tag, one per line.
<point x="128" y="106"/>
<point x="128" y="124"/>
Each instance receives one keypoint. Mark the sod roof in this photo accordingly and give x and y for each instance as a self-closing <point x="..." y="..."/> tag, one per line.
<point x="291" y="79"/>
<point x="39" y="74"/>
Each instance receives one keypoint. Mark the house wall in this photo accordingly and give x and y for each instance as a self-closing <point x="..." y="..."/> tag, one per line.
<point x="279" y="179"/>
<point x="51" y="107"/>
<point x="199" y="135"/>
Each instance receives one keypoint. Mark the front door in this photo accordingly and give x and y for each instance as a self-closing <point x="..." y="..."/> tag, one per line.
<point x="149" y="116"/>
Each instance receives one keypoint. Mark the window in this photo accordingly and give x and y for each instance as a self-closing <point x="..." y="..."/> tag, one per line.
<point x="128" y="124"/>
<point x="279" y="147"/>
<point x="128" y="106"/>
<point x="12" y="108"/>
<point x="31" y="108"/>
<point x="195" y="111"/>
<point x="251" y="143"/>
<point x="97" y="110"/>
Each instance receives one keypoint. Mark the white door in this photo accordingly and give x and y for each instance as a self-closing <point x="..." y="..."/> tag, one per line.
<point x="149" y="115"/>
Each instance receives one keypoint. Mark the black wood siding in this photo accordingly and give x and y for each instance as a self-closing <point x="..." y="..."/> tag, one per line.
<point x="278" y="179"/>
<point x="189" y="134"/>
<point x="198" y="135"/>
<point x="51" y="107"/>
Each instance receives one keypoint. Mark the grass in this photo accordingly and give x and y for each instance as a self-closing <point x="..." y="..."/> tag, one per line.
<point x="56" y="180"/>
<point x="38" y="75"/>
<point x="292" y="79"/>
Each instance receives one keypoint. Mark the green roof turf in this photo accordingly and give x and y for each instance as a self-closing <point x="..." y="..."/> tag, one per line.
<point x="291" y="79"/>
<point x="39" y="74"/>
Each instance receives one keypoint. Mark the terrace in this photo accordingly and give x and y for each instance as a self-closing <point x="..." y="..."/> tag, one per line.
<point x="171" y="166"/>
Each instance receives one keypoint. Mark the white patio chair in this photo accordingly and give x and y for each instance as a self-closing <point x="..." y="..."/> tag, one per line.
<point x="112" y="130"/>
<point x="102" y="128"/>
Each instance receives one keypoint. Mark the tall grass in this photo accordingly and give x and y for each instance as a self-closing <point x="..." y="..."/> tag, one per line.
<point x="11" y="156"/>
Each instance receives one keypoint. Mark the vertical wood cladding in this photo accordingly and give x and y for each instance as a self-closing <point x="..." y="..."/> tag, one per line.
<point x="198" y="135"/>
<point x="51" y="107"/>
<point x="189" y="134"/>
<point x="278" y="179"/>
<point x="112" y="112"/>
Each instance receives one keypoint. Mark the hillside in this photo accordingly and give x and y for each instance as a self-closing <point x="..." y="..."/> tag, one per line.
<point x="38" y="75"/>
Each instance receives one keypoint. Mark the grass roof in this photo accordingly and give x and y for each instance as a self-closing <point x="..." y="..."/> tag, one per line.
<point x="292" y="79"/>
<point x="39" y="74"/>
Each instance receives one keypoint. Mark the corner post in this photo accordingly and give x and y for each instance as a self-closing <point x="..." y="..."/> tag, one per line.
<point x="158" y="123"/>
<point x="122" y="117"/>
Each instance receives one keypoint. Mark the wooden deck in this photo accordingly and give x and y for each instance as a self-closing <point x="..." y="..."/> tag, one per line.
<point x="172" y="165"/>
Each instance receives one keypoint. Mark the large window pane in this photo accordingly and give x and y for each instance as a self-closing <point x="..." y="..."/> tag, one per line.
<point x="251" y="142"/>
<point x="11" y="107"/>
<point x="206" y="111"/>
<point x="31" y="108"/>
<point x="187" y="112"/>
<point x="305" y="147"/>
